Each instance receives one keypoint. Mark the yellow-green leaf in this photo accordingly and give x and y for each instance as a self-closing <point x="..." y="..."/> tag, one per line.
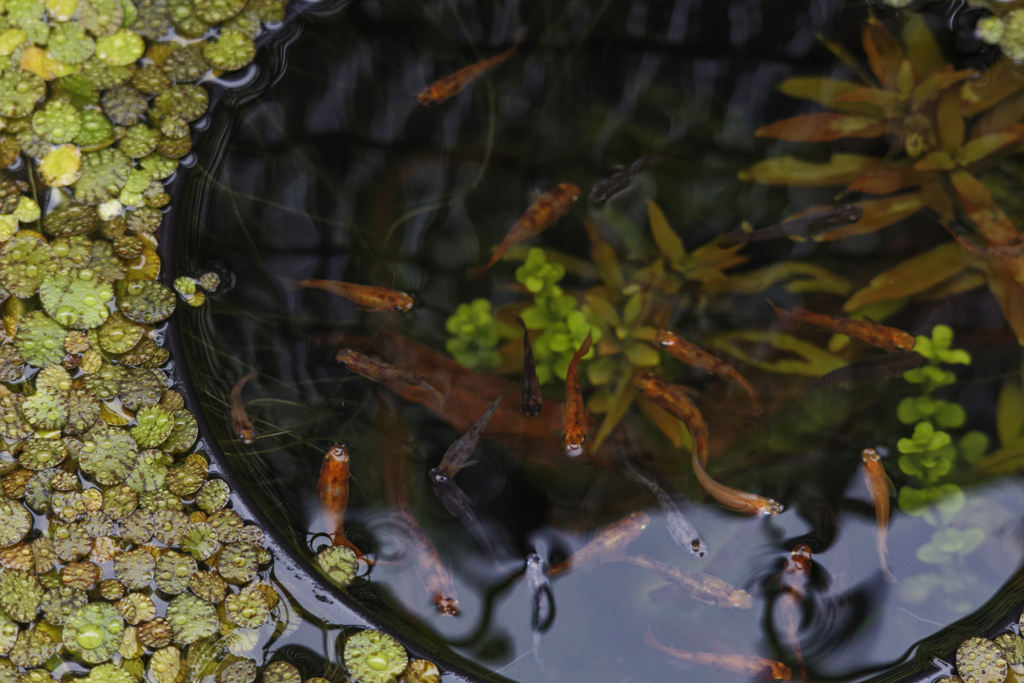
<point x="616" y="408"/>
<point x="937" y="82"/>
<point x="664" y="236"/>
<point x="673" y="429"/>
<point x="840" y="170"/>
<point x="1010" y="296"/>
<point x="979" y="148"/>
<point x="1010" y="411"/>
<point x="805" y="277"/>
<point x="949" y="121"/>
<point x="605" y="257"/>
<point x="813" y="361"/>
<point x="1002" y="79"/>
<point x="935" y="161"/>
<point x="884" y="52"/>
<point x="917" y="274"/>
<point x="922" y="49"/>
<point x="642" y="355"/>
<point x="964" y="282"/>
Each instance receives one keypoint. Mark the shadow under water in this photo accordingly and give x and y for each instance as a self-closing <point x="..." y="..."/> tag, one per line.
<point x="328" y="168"/>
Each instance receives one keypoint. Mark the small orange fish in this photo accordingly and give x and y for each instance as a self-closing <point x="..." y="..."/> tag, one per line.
<point x="672" y="398"/>
<point x="606" y="542"/>
<point x="452" y="84"/>
<point x="751" y="667"/>
<point x="436" y="580"/>
<point x="879" y="486"/>
<point x="332" y="492"/>
<point x="366" y="297"/>
<point x="693" y="355"/>
<point x="379" y="371"/>
<point x="240" y="422"/>
<point x="574" y="413"/>
<point x="867" y="331"/>
<point x="544" y="211"/>
<point x="701" y="587"/>
<point x="795" y="577"/>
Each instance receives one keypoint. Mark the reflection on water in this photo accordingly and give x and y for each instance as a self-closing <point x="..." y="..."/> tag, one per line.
<point x="336" y="172"/>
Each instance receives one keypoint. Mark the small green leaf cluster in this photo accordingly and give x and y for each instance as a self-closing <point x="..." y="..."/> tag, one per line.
<point x="564" y="327"/>
<point x="474" y="333"/>
<point x="930" y="452"/>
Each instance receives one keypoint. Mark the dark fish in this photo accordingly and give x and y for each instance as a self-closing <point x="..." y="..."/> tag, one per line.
<point x="457" y="503"/>
<point x="541" y="598"/>
<point x="530" y="400"/>
<point x="808" y="224"/>
<point x="691" y="354"/>
<point x="605" y="189"/>
<point x="869" y="370"/>
<point x="682" y="532"/>
<point x="458" y="453"/>
<point x="241" y="424"/>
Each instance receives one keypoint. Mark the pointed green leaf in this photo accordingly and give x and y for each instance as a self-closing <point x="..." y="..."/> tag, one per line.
<point x="664" y="236"/>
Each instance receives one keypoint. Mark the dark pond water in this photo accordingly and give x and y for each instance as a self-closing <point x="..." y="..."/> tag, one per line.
<point x="328" y="168"/>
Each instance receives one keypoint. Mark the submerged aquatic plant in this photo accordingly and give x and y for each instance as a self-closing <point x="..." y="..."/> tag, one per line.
<point x="945" y="130"/>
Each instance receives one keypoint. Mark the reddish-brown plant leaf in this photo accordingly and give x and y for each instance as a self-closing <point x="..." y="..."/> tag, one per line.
<point x="1010" y="295"/>
<point x="935" y="196"/>
<point x="827" y="92"/>
<point x="935" y="161"/>
<point x="888" y="179"/>
<point x="884" y="52"/>
<point x="1000" y="118"/>
<point x="980" y="147"/>
<point x="886" y="100"/>
<point x="823" y="127"/>
<point x="949" y="122"/>
<point x="1001" y="80"/>
<point x="936" y="83"/>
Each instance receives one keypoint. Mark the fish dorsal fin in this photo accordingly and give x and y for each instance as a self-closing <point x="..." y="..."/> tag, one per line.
<point x="890" y="485"/>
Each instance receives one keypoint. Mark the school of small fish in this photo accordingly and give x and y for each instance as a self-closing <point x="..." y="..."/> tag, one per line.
<point x="609" y="542"/>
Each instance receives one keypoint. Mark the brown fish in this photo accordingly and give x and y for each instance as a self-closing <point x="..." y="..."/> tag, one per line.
<point x="701" y="587"/>
<point x="332" y="492"/>
<point x="241" y="425"/>
<point x="879" y="486"/>
<point x="544" y="211"/>
<point x="867" y="331"/>
<point x="451" y="85"/>
<point x="378" y="371"/>
<point x="574" y="413"/>
<point x="606" y="543"/>
<point x="617" y="182"/>
<point x="751" y="667"/>
<point x="672" y="398"/>
<point x="795" y="577"/>
<point x="530" y="400"/>
<point x="691" y="354"/>
<point x="458" y="453"/>
<point x="436" y="580"/>
<point x="366" y="297"/>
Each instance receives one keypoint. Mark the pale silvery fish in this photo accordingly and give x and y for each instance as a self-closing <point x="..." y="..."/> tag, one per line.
<point x="683" y="533"/>
<point x="540" y="595"/>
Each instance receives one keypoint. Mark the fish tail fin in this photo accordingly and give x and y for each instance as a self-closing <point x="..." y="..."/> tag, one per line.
<point x="522" y="323"/>
<point x="290" y="284"/>
<point x="755" y="402"/>
<point x="888" y="576"/>
<point x="584" y="347"/>
<point x="536" y="649"/>
<point x="781" y="312"/>
<point x="652" y="642"/>
<point x="480" y="271"/>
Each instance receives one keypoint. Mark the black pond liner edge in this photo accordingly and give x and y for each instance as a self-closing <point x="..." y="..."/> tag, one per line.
<point x="225" y="103"/>
<point x="918" y="664"/>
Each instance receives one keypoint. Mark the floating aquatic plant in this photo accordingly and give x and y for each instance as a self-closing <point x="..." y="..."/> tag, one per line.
<point x="374" y="657"/>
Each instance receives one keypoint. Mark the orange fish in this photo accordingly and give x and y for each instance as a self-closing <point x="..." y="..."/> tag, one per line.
<point x="452" y="84"/>
<point x="544" y="211"/>
<point x="672" y="398"/>
<point x="240" y="422"/>
<point x="379" y="371"/>
<point x="366" y="297"/>
<point x="693" y="355"/>
<point x="436" y="580"/>
<point x="574" y="413"/>
<point x="867" y="331"/>
<point x="795" y="577"/>
<point x="750" y="667"/>
<point x="332" y="492"/>
<point x="606" y="542"/>
<point x="879" y="486"/>
<point x="701" y="587"/>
